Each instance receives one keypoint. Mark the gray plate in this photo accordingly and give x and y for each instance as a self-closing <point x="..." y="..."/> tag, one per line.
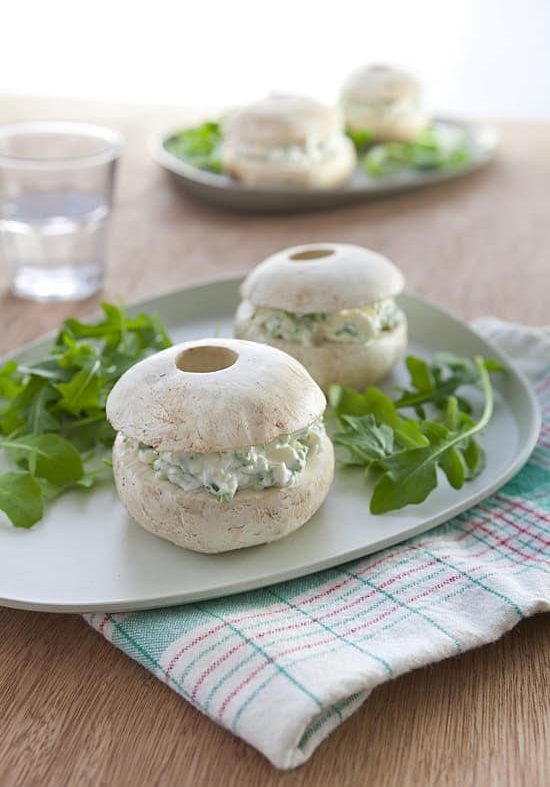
<point x="225" y="191"/>
<point x="87" y="554"/>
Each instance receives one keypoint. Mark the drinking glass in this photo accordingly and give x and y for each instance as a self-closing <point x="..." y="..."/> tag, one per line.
<point x="56" y="190"/>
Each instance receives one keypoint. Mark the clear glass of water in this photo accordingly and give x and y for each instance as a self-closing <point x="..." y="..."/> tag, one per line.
<point x="56" y="191"/>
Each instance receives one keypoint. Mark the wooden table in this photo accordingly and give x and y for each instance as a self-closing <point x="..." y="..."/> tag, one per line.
<point x="76" y="711"/>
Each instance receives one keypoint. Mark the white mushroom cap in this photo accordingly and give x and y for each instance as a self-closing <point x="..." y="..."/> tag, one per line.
<point x="282" y="120"/>
<point x="380" y="83"/>
<point x="214" y="395"/>
<point x="322" y="277"/>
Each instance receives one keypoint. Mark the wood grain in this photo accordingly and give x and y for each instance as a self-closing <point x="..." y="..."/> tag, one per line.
<point x="75" y="711"/>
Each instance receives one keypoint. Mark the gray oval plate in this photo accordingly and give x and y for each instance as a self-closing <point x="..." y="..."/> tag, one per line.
<point x="87" y="554"/>
<point x="225" y="191"/>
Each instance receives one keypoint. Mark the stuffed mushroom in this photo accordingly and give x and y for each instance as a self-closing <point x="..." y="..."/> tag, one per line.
<point x="288" y="141"/>
<point x="383" y="104"/>
<point x="331" y="306"/>
<point x="220" y="444"/>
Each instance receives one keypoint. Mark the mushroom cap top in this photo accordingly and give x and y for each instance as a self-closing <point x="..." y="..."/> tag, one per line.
<point x="214" y="395"/>
<point x="282" y="120"/>
<point x="380" y="83"/>
<point x="322" y="277"/>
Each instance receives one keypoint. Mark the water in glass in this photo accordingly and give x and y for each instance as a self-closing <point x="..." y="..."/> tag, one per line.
<point x="53" y="243"/>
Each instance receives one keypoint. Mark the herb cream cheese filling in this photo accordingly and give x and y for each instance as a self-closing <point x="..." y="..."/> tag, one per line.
<point x="223" y="473"/>
<point x="313" y="149"/>
<point x="359" y="326"/>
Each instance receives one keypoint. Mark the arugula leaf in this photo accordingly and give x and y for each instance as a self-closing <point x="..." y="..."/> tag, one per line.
<point x="52" y="411"/>
<point x="10" y="385"/>
<point x="98" y="474"/>
<point x="474" y="456"/>
<point x="450" y="460"/>
<point x="83" y="391"/>
<point x="365" y="440"/>
<point x="48" y="456"/>
<point x="403" y="453"/>
<point x="452" y="464"/>
<point x="360" y="137"/>
<point x="198" y="146"/>
<point x="50" y="492"/>
<point x="15" y="413"/>
<point x="421" y="375"/>
<point x="49" y="369"/>
<point x="452" y="413"/>
<point x="434" y="382"/>
<point x="21" y="498"/>
<point x="346" y="401"/>
<point x="435" y="148"/>
<point x="39" y="418"/>
<point x="409" y="476"/>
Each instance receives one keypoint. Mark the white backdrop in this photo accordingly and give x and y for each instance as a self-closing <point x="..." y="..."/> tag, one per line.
<point x="476" y="57"/>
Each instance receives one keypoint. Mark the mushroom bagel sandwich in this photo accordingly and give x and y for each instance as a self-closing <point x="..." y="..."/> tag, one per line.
<point x="220" y="444"/>
<point x="384" y="102"/>
<point x="288" y="141"/>
<point x="331" y="306"/>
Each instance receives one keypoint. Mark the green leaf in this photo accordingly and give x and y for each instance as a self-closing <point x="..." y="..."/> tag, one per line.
<point x="90" y="433"/>
<point x="365" y="440"/>
<point x="361" y="137"/>
<point x="406" y="431"/>
<point x="453" y="467"/>
<point x="409" y="477"/>
<point x="39" y="418"/>
<point x="53" y="409"/>
<point x="10" y="381"/>
<point x="452" y="414"/>
<point x="450" y="460"/>
<point x="492" y="365"/>
<point x="49" y="369"/>
<point x="346" y="401"/>
<point x="96" y="475"/>
<point x="446" y="375"/>
<point x="436" y="148"/>
<point x="48" y="456"/>
<point x="198" y="146"/>
<point x="14" y="415"/>
<point x="474" y="457"/>
<point x="78" y="354"/>
<point x="21" y="498"/>
<point x="82" y="392"/>
<point x="463" y="366"/>
<point x="421" y="376"/>
<point x="50" y="492"/>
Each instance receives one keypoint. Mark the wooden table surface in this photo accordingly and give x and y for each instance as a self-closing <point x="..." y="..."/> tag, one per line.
<point x="76" y="711"/>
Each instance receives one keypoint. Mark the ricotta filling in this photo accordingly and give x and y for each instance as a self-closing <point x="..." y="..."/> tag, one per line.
<point x="313" y="149"/>
<point x="359" y="326"/>
<point x="279" y="463"/>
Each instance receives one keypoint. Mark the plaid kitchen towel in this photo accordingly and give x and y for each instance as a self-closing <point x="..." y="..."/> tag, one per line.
<point x="284" y="666"/>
